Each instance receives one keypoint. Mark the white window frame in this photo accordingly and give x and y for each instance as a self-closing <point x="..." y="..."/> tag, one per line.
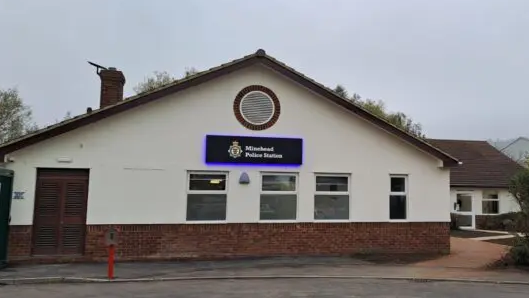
<point x="215" y="192"/>
<point x="483" y="199"/>
<point x="399" y="193"/>
<point x="261" y="192"/>
<point x="316" y="192"/>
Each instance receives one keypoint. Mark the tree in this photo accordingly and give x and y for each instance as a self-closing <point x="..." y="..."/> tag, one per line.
<point x="356" y="97"/>
<point x="159" y="79"/>
<point x="519" y="189"/>
<point x="190" y="71"/>
<point x="340" y="90"/>
<point x="15" y="117"/>
<point x="378" y="108"/>
<point x="403" y="121"/>
<point x="68" y="116"/>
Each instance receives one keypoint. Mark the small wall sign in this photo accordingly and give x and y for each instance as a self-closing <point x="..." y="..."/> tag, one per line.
<point x="18" y="195"/>
<point x="253" y="150"/>
<point x="111" y="236"/>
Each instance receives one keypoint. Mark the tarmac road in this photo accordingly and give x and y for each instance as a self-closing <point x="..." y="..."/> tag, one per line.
<point x="271" y="288"/>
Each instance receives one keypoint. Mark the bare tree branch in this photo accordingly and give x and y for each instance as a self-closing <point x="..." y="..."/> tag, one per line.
<point x="160" y="78"/>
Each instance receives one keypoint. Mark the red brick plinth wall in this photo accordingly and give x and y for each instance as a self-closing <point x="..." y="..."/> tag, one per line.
<point x="19" y="241"/>
<point x="233" y="240"/>
<point x="207" y="241"/>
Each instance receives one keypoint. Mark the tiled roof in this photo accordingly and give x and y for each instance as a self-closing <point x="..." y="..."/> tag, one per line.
<point x="483" y="164"/>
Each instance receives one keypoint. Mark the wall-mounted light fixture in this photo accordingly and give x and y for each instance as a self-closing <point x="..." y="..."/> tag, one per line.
<point x="244" y="179"/>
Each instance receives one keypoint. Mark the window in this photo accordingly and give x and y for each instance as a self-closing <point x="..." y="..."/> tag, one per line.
<point x="278" y="197"/>
<point x="331" y="200"/>
<point x="398" y="197"/>
<point x="206" y="196"/>
<point x="490" y="203"/>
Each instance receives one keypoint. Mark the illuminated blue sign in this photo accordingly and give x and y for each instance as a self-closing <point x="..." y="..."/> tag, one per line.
<point x="248" y="150"/>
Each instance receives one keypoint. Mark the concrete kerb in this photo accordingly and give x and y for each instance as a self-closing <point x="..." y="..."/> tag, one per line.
<point x="50" y="280"/>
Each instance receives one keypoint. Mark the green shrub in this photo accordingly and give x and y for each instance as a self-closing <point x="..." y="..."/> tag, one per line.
<point x="519" y="189"/>
<point x="519" y="252"/>
<point x="502" y="222"/>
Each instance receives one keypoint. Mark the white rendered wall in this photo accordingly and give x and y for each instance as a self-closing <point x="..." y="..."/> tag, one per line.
<point x="138" y="159"/>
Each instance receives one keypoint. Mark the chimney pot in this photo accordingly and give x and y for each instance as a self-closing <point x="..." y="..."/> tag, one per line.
<point x="112" y="82"/>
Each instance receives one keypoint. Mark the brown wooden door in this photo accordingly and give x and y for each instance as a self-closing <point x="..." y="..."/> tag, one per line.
<point x="60" y="212"/>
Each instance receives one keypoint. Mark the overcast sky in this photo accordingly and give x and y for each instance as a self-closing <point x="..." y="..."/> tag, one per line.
<point x="459" y="67"/>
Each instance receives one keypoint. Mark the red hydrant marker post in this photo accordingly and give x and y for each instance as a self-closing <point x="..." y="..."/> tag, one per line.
<point x="111" y="242"/>
<point x="111" y="262"/>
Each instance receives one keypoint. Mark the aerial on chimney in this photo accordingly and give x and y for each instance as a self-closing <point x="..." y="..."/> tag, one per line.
<point x="112" y="82"/>
<point x="97" y="66"/>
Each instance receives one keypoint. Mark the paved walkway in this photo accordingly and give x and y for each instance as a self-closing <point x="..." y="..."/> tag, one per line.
<point x="495" y="235"/>
<point x="468" y="253"/>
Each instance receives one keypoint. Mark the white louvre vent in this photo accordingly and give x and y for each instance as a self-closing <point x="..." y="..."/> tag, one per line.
<point x="257" y="108"/>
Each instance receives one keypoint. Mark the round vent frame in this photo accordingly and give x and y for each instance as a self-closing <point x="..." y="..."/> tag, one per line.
<point x="238" y="106"/>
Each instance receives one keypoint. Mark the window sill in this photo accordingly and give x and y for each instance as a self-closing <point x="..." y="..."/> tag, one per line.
<point x="332" y="220"/>
<point x="201" y="222"/>
<point x="489" y="214"/>
<point x="277" y="221"/>
<point x="398" y="220"/>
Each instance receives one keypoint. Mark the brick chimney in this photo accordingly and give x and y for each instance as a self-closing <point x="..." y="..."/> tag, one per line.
<point x="112" y="82"/>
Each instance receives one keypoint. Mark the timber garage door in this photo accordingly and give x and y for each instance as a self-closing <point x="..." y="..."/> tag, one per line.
<point x="59" y="222"/>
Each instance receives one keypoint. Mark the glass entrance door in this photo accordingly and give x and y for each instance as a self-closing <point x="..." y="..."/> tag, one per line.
<point x="465" y="210"/>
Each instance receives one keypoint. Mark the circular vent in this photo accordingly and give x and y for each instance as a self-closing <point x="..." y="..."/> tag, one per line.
<point x="256" y="107"/>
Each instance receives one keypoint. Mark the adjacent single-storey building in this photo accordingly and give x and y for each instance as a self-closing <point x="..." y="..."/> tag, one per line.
<point x="250" y="158"/>
<point x="479" y="186"/>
